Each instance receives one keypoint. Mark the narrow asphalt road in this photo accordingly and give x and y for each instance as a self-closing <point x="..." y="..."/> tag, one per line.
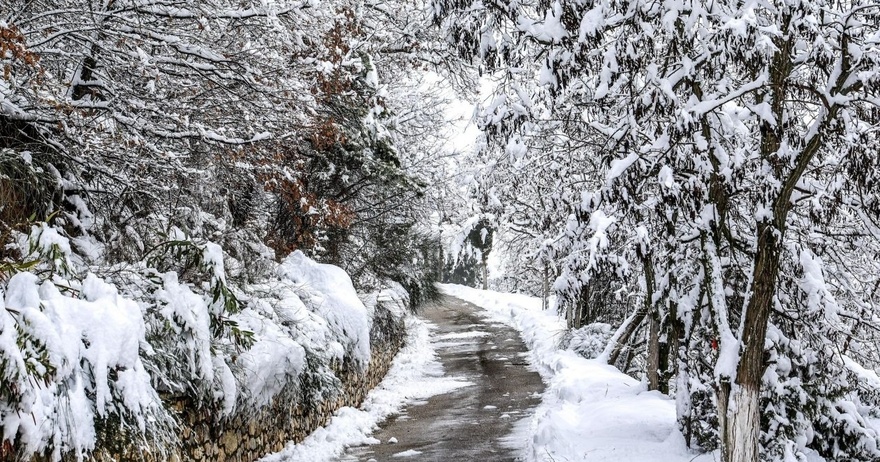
<point x="474" y="423"/>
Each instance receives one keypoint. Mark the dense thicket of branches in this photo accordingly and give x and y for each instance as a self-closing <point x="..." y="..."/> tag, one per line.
<point x="288" y="123"/>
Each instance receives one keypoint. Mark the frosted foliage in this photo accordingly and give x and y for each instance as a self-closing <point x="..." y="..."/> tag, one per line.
<point x="590" y="341"/>
<point x="179" y="151"/>
<point x="75" y="354"/>
<point x="272" y="362"/>
<point x="189" y="319"/>
<point x="714" y="164"/>
<point x="794" y="382"/>
<point x="81" y="362"/>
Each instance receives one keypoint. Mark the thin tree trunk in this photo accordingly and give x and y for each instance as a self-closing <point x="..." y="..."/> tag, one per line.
<point x="83" y="78"/>
<point x="722" y="395"/>
<point x="653" y="366"/>
<point x="545" y="289"/>
<point x="485" y="275"/>
<point x="653" y="360"/>
<point x="441" y="263"/>
<point x="581" y="308"/>
<point x="669" y="349"/>
<point x="629" y="327"/>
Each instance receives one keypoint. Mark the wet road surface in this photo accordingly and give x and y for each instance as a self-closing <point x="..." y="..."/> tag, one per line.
<point x="474" y="423"/>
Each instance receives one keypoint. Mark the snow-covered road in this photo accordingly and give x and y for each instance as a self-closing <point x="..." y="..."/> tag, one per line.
<point x="467" y="388"/>
<point x="482" y="422"/>
<point x="590" y="411"/>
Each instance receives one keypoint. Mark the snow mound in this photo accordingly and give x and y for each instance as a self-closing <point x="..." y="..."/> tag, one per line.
<point x="328" y="290"/>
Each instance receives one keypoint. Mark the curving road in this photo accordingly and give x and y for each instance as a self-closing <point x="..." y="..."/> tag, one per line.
<point x="482" y="422"/>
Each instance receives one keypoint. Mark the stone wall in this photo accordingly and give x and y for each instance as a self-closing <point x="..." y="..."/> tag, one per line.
<point x="247" y="437"/>
<point x="250" y="434"/>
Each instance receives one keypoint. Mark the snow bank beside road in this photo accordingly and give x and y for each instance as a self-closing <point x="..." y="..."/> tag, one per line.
<point x="590" y="411"/>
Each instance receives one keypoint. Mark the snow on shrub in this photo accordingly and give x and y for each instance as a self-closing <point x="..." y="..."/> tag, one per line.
<point x="328" y="290"/>
<point x="276" y="357"/>
<point x="292" y="344"/>
<point x="84" y="362"/>
<point x="392" y="296"/>
<point x="590" y="341"/>
<point x="67" y="361"/>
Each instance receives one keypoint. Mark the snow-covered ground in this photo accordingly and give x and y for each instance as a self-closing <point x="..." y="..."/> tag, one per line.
<point x="590" y="411"/>
<point x="414" y="375"/>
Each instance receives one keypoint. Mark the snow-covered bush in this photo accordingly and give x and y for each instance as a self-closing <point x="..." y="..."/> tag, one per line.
<point x="28" y="185"/>
<point x="386" y="307"/>
<point x="589" y="341"/>
<point x="85" y="365"/>
<point x="71" y="357"/>
<point x="328" y="290"/>
<point x="178" y="165"/>
<point x="811" y="403"/>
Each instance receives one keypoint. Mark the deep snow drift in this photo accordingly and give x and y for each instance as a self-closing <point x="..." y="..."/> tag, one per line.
<point x="590" y="410"/>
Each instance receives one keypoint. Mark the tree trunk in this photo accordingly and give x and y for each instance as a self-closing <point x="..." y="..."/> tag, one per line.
<point x="485" y="275"/>
<point x="569" y="315"/>
<point x="629" y="327"/>
<point x="738" y="409"/>
<point x="83" y="78"/>
<point x="740" y="420"/>
<point x="441" y="261"/>
<point x="580" y="307"/>
<point x="669" y="349"/>
<point x="653" y="366"/>
<point x="545" y="289"/>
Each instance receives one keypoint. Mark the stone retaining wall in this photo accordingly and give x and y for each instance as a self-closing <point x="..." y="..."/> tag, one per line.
<point x="245" y="438"/>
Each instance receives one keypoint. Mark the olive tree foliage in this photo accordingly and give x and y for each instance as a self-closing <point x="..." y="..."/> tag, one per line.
<point x="733" y="190"/>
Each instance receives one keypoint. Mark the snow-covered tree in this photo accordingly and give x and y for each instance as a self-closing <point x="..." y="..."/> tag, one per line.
<point x="177" y="149"/>
<point x="738" y="152"/>
<point x="276" y="118"/>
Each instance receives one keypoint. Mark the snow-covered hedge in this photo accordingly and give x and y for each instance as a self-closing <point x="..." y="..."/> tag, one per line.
<point x="87" y="360"/>
<point x="69" y="360"/>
